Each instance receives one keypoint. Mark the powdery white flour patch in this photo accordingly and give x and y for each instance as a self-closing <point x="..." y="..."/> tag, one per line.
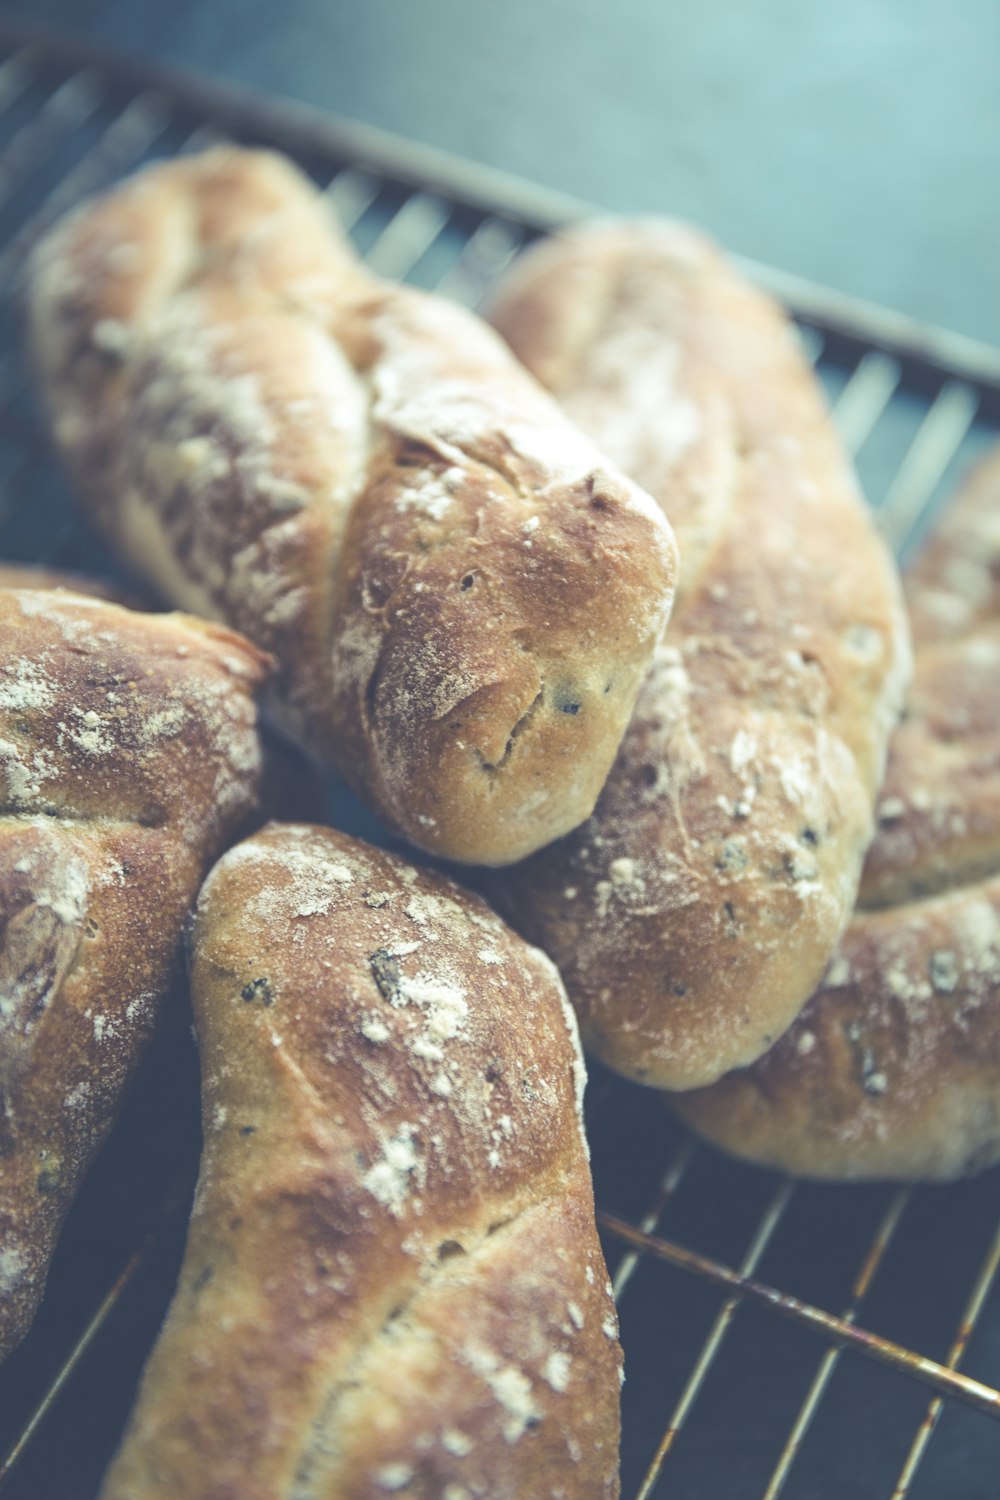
<point x="798" y="779"/>
<point x="742" y="751"/>
<point x="393" y="1477"/>
<point x="390" y="1179"/>
<point x="312" y="890"/>
<point x="838" y="974"/>
<point x="24" y="686"/>
<point x="445" y="1006"/>
<point x="556" y="1370"/>
<point x="510" y="1387"/>
<point x="164" y="723"/>
<point x="87" y="732"/>
<point x="13" y="1267"/>
<point x="432" y="494"/>
<point x="978" y="931"/>
<point x="66" y="892"/>
<point x="25" y="774"/>
<point x="445" y="1012"/>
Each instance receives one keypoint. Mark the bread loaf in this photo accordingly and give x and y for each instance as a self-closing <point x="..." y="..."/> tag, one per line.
<point x="128" y="755"/>
<point x="694" y="913"/>
<point x="893" y="1069"/>
<point x="461" y="593"/>
<point x="392" y="1282"/>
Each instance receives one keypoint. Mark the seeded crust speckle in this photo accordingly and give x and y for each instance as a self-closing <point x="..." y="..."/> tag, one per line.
<point x="388" y="1286"/>
<point x="128" y="754"/>
<point x="462" y="595"/>
<point x="693" y="914"/>
<point x="893" y="1068"/>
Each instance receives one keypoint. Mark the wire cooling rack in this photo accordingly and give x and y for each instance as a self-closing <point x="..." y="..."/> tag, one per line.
<point x="781" y="1338"/>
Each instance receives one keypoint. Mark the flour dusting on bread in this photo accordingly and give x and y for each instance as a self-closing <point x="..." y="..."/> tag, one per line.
<point x="393" y="1225"/>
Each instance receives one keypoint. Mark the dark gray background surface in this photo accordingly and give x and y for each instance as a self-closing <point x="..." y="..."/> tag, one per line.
<point x="856" y="143"/>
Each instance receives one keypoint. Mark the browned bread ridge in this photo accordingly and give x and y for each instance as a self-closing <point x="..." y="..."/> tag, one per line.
<point x="461" y="593"/>
<point x="893" y="1068"/>
<point x="392" y="1281"/>
<point x="128" y="755"/>
<point x="693" y="914"/>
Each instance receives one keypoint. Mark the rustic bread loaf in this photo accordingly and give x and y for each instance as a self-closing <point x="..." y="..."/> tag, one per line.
<point x="893" y="1068"/>
<point x="694" y="913"/>
<point x="392" y="1282"/>
<point x="128" y="755"/>
<point x="462" y="595"/>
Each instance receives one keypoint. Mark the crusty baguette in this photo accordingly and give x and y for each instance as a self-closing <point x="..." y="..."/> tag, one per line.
<point x="128" y="755"/>
<point x="392" y="1281"/>
<point x="893" y="1068"/>
<point x="694" y="913"/>
<point x="462" y="595"/>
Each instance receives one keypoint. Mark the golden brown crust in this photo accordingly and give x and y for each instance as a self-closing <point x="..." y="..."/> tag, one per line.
<point x="461" y="594"/>
<point x="128" y="754"/>
<point x="392" y="1281"/>
<point x="893" y="1069"/>
<point x="694" y="913"/>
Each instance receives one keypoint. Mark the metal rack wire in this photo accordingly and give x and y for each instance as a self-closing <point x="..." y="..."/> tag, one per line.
<point x="737" y="1386"/>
